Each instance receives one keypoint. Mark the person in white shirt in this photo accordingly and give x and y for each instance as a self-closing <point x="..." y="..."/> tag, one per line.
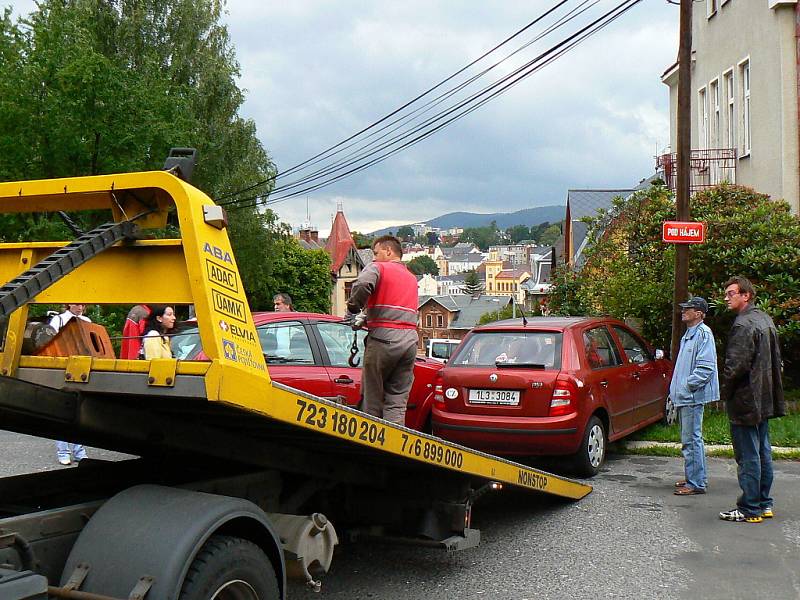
<point x="73" y="311"/>
<point x="66" y="452"/>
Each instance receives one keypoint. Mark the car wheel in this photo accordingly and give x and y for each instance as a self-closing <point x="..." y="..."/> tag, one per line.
<point x="593" y="449"/>
<point x="670" y="411"/>
<point x="230" y="568"/>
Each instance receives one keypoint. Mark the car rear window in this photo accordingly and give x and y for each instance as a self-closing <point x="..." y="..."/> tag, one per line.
<point x="488" y="348"/>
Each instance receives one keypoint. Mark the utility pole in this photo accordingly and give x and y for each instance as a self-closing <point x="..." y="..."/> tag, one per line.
<point x="684" y="142"/>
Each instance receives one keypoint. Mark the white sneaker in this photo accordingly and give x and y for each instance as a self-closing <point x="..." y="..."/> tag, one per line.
<point x="64" y="460"/>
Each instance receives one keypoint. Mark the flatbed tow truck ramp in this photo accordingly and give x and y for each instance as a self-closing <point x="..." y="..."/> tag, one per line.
<point x="238" y="479"/>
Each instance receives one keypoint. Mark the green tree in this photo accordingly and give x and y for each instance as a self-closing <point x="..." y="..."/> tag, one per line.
<point x="629" y="271"/>
<point x="506" y="312"/>
<point x="550" y="235"/>
<point x="483" y="237"/>
<point x="420" y="265"/>
<point x="432" y="238"/>
<point x="473" y="285"/>
<point x="362" y="240"/>
<point x="105" y="86"/>
<point x="303" y="274"/>
<point x="517" y="233"/>
<point x="406" y="232"/>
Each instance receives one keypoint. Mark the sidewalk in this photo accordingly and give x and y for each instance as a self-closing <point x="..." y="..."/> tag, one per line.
<point x="777" y="451"/>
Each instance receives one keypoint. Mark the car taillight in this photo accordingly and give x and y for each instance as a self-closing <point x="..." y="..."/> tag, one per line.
<point x="438" y="392"/>
<point x="564" y="399"/>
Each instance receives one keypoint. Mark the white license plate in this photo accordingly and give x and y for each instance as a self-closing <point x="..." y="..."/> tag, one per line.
<point x="508" y="397"/>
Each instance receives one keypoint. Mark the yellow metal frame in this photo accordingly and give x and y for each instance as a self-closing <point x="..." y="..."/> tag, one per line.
<point x="200" y="269"/>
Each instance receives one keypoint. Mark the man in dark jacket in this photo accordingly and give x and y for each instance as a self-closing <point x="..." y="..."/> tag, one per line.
<point x="750" y="386"/>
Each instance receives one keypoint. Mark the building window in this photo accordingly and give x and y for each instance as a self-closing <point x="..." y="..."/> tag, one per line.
<point x="744" y="77"/>
<point x="440" y="320"/>
<point x="702" y="106"/>
<point x="730" y="114"/>
<point x="428" y="320"/>
<point x="715" y="116"/>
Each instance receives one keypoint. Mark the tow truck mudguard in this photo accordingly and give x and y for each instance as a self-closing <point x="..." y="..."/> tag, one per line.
<point x="155" y="531"/>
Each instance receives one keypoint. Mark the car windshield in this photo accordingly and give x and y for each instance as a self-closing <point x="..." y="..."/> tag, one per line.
<point x="535" y="349"/>
<point x="442" y="350"/>
<point x="186" y="344"/>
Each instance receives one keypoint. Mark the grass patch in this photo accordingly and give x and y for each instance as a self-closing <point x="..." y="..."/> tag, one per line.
<point x="620" y="448"/>
<point x="784" y="431"/>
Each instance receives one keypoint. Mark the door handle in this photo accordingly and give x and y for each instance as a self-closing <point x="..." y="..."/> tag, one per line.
<point x="343" y="379"/>
<point x="604" y="383"/>
<point x="636" y="375"/>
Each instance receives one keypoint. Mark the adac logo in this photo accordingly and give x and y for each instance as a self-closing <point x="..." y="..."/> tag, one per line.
<point x="229" y="349"/>
<point x="218" y="253"/>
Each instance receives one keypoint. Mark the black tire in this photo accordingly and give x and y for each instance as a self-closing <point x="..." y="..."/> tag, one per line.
<point x="230" y="568"/>
<point x="592" y="453"/>
<point x="670" y="412"/>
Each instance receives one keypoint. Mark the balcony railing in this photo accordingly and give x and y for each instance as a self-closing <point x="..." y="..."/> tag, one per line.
<point x="707" y="168"/>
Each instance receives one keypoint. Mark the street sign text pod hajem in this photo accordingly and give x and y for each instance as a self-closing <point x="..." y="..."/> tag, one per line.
<point x="683" y="232"/>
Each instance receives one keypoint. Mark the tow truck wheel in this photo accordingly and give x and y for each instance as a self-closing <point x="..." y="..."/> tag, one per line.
<point x="593" y="449"/>
<point x="230" y="568"/>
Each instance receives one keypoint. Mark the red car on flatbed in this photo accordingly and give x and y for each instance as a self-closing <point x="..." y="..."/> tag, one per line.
<point x="553" y="386"/>
<point x="309" y="351"/>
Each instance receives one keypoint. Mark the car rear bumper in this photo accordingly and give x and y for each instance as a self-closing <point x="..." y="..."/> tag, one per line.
<point x="510" y="435"/>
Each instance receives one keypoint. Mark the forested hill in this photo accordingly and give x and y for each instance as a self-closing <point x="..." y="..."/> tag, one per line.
<point x="526" y="216"/>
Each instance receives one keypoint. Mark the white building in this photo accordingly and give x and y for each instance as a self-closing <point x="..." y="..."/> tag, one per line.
<point x="744" y="97"/>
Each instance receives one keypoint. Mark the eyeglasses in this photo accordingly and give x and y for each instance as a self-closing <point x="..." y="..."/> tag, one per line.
<point x="731" y="294"/>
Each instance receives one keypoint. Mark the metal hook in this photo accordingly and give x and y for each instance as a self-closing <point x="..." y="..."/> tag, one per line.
<point x="353" y="361"/>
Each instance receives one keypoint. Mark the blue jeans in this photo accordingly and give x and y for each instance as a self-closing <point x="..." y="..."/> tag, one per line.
<point x="753" y="454"/>
<point x="63" y="450"/>
<point x="692" y="447"/>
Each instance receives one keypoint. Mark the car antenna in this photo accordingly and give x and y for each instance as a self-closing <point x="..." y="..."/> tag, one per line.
<point x="522" y="312"/>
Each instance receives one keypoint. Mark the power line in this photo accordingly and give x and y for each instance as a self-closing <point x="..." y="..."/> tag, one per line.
<point x="465" y="107"/>
<point x="364" y="151"/>
<point x="404" y="106"/>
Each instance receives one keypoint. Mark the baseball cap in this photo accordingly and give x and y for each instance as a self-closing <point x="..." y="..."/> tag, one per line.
<point x="696" y="302"/>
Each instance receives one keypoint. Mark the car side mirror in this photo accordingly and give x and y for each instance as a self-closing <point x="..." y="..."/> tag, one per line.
<point x="659" y="354"/>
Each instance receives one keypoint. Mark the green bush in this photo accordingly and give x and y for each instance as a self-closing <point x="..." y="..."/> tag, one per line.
<point x="629" y="271"/>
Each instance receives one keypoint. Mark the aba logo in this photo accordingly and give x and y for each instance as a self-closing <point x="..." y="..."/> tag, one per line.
<point x="229" y="349"/>
<point x="218" y="253"/>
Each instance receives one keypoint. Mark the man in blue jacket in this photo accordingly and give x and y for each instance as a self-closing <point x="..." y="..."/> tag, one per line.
<point x="695" y="382"/>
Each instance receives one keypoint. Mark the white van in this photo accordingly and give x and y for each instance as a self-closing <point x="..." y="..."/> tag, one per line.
<point x="441" y="349"/>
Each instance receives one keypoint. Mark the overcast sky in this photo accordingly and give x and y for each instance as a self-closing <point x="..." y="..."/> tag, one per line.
<point x="317" y="71"/>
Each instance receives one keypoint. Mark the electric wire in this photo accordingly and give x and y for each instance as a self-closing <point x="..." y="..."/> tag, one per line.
<point x="498" y="88"/>
<point x="400" y="122"/>
<point x="321" y="155"/>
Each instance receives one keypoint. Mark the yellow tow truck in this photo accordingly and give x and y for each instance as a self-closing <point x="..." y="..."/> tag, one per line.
<point x="238" y="479"/>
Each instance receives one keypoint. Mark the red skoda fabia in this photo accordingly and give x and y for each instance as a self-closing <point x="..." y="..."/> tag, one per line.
<point x="553" y="386"/>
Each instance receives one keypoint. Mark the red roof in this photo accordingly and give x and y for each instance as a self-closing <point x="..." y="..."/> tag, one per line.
<point x="340" y="242"/>
<point x="512" y="274"/>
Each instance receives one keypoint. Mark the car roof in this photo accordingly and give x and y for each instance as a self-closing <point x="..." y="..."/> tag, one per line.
<point x="549" y="323"/>
<point x="263" y="317"/>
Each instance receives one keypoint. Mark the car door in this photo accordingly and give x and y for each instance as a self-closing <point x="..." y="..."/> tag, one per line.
<point x="649" y="386"/>
<point x="336" y="340"/>
<point x="605" y="378"/>
<point x="292" y="359"/>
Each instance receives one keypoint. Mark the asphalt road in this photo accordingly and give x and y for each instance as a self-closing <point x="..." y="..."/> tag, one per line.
<point x="630" y="538"/>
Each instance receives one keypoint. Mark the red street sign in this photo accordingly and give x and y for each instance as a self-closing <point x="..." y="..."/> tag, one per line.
<point x="681" y="232"/>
